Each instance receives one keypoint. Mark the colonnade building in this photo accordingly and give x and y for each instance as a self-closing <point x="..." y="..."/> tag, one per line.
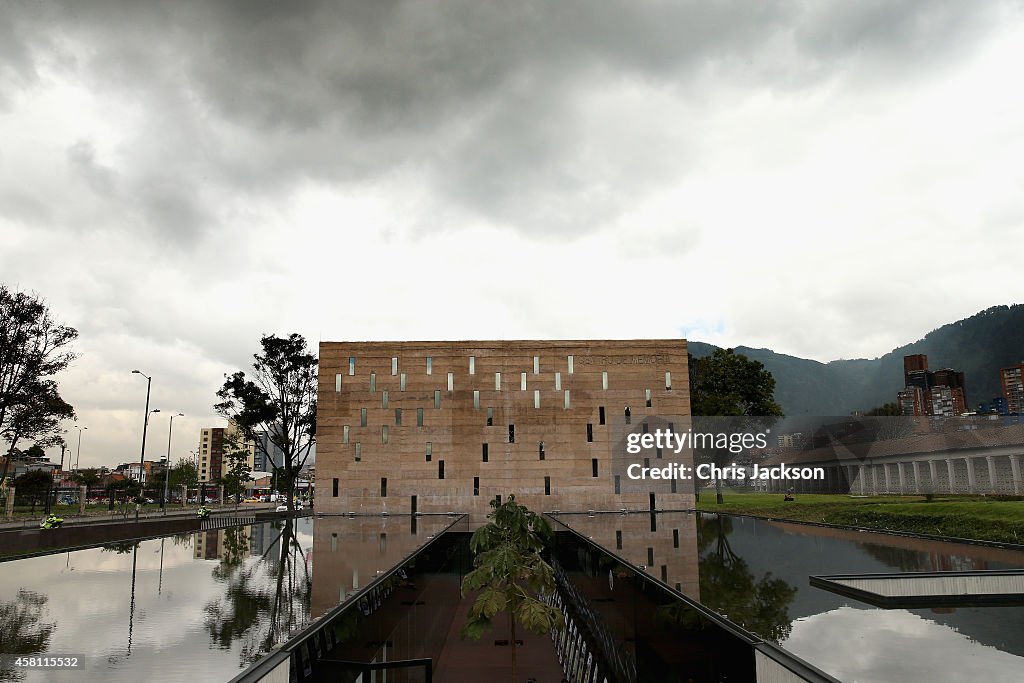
<point x="968" y="456"/>
<point x="449" y="426"/>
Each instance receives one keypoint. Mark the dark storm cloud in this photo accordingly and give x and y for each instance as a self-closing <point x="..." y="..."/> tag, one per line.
<point x="481" y="97"/>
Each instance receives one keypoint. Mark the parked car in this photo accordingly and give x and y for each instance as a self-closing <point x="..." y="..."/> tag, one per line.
<point x="281" y="508"/>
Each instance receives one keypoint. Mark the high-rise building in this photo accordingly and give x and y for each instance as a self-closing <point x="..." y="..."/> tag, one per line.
<point x="215" y="443"/>
<point x="1012" y="379"/>
<point x="917" y="376"/>
<point x="450" y="426"/>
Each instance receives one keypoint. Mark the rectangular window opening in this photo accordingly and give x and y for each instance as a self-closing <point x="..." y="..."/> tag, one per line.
<point x="351" y="365"/>
<point x="398" y="417"/>
<point x="569" y="363"/>
<point x="600" y="415"/>
<point x="359" y="452"/>
<point x="337" y="383"/>
<point x="383" y="487"/>
<point x="476" y="399"/>
<point x="547" y="486"/>
<point x="384" y="399"/>
<point x="394" y="366"/>
<point x="497" y="381"/>
<point x="618" y="484"/>
<point x="511" y="433"/>
<point x="590" y="433"/>
<point x="344" y="434"/>
<point x="373" y="382"/>
<point x="362" y="417"/>
<point x="451" y="381"/>
<point x="540" y="450"/>
<point x="604" y="381"/>
<point x="476" y="486"/>
<point x="472" y="365"/>
<point x="385" y="434"/>
<point x="419" y="417"/>
<point x="536" y="398"/>
<point x="522" y="381"/>
<point x="593" y="467"/>
<point x="536" y="365"/>
<point x="437" y="398"/>
<point x="567" y="403"/>
<point x="440" y="469"/>
<point x="558" y="381"/>
<point x="490" y="417"/>
<point x="401" y="382"/>
<point x="334" y="487"/>
<point x="483" y="453"/>
<point x="618" y="539"/>
<point x="668" y="381"/>
<point x="430" y="365"/>
<point x="647" y="397"/>
<point x="429" y="451"/>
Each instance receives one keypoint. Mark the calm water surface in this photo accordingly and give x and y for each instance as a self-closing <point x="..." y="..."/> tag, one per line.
<point x="198" y="606"/>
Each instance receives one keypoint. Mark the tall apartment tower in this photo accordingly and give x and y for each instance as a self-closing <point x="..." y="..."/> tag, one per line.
<point x="214" y="444"/>
<point x="1012" y="379"/>
<point x="939" y="393"/>
<point x="449" y="426"/>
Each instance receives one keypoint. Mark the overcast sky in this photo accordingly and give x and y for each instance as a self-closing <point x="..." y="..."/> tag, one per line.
<point x="825" y="179"/>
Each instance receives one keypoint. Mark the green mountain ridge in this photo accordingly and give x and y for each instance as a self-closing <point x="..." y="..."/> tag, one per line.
<point x="979" y="346"/>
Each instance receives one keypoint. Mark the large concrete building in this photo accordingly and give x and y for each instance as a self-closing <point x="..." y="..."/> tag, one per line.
<point x="448" y="426"/>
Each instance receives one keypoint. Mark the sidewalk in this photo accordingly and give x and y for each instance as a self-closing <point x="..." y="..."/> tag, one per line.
<point x="148" y="512"/>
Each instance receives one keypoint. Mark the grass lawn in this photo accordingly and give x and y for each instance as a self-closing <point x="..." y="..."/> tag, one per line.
<point x="975" y="517"/>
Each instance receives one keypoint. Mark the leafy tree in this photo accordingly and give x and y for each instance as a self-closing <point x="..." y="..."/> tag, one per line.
<point x="728" y="384"/>
<point x="184" y="473"/>
<point x="22" y="630"/>
<point x="509" y="573"/>
<point x="238" y="471"/>
<point x="87" y="477"/>
<point x="885" y="410"/>
<point x="33" y="348"/>
<point x="33" y="485"/>
<point x="278" y="399"/>
<point x="729" y="587"/>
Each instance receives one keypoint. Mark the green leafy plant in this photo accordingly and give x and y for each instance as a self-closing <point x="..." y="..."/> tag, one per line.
<point x="510" y="573"/>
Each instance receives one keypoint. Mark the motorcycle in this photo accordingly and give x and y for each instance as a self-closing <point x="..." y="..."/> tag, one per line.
<point x="51" y="522"/>
<point x="203" y="512"/>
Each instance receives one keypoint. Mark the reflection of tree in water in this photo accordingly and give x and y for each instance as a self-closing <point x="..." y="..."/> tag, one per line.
<point x="729" y="587"/>
<point x="22" y="630"/>
<point x="265" y="599"/>
<point x="120" y="547"/>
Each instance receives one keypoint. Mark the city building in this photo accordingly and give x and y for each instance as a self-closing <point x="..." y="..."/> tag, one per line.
<point x="450" y="426"/>
<point x="1012" y="379"/>
<point x="215" y="443"/>
<point x="952" y="395"/>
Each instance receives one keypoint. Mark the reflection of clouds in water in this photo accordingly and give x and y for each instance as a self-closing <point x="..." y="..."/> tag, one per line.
<point x="89" y="599"/>
<point x="869" y="645"/>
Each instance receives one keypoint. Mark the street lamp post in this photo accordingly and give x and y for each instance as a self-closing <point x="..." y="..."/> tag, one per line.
<point x="167" y="465"/>
<point x="78" y="451"/>
<point x="145" y="426"/>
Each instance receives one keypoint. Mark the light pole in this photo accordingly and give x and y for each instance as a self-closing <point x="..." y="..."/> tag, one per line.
<point x="145" y="422"/>
<point x="78" y="451"/>
<point x="167" y="465"/>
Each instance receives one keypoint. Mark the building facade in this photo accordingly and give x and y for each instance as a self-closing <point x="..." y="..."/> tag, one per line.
<point x="448" y="426"/>
<point x="1012" y="379"/>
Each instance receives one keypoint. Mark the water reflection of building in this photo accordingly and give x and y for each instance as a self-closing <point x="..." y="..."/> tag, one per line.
<point x="349" y="552"/>
<point x="215" y="544"/>
<point x="665" y="546"/>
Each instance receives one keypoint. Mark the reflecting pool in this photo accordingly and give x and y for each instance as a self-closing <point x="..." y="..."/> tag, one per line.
<point x="199" y="606"/>
<point x="755" y="572"/>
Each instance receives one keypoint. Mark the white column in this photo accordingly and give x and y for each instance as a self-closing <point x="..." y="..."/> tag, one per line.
<point x="863" y="479"/>
<point x="917" y="476"/>
<point x="1015" y="468"/>
<point x="903" y="478"/>
<point x="971" y="484"/>
<point x="934" y="475"/>
<point x="952" y="479"/>
<point x="885" y="474"/>
<point x="993" y="484"/>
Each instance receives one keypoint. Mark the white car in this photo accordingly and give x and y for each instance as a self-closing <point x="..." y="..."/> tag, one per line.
<point x="281" y="508"/>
